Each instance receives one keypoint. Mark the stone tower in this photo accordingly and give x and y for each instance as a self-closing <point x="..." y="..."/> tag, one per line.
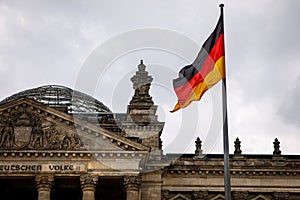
<point x="141" y="121"/>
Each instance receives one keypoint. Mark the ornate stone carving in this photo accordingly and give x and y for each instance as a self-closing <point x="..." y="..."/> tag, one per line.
<point x="281" y="196"/>
<point x="44" y="182"/>
<point x="237" y="146"/>
<point x="29" y="130"/>
<point x="88" y="181"/>
<point x="200" y="195"/>
<point x="141" y="85"/>
<point x="141" y="109"/>
<point x="88" y="185"/>
<point x="240" y="195"/>
<point x="55" y="139"/>
<point x="6" y="134"/>
<point x="198" y="151"/>
<point x="132" y="182"/>
<point x="16" y="128"/>
<point x="165" y="195"/>
<point x="276" y="151"/>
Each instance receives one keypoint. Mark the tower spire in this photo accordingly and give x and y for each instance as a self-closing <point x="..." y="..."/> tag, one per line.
<point x="141" y="85"/>
<point x="141" y="108"/>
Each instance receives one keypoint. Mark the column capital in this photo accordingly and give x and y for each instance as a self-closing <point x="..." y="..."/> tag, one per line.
<point x="132" y="182"/>
<point x="88" y="181"/>
<point x="44" y="182"/>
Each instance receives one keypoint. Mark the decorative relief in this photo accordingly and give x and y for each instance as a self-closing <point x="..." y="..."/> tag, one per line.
<point x="281" y="196"/>
<point x="240" y="195"/>
<point x="28" y="130"/>
<point x="200" y="195"/>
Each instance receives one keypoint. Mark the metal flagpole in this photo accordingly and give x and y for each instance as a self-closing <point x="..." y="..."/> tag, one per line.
<point x="225" y="134"/>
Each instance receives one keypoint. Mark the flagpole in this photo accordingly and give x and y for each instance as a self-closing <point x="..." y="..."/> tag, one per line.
<point x="225" y="134"/>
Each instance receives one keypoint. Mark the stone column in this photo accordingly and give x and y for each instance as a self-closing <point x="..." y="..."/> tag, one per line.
<point x="88" y="185"/>
<point x="132" y="186"/>
<point x="44" y="185"/>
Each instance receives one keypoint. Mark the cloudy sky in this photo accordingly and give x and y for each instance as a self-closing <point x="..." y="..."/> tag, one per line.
<point x="95" y="47"/>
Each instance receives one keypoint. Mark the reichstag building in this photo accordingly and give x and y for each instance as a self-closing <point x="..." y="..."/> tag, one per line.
<point x="57" y="143"/>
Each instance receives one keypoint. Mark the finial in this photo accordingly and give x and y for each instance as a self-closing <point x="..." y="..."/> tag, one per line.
<point x="141" y="66"/>
<point x="198" y="151"/>
<point x="237" y="146"/>
<point x="276" y="151"/>
<point x="221" y="7"/>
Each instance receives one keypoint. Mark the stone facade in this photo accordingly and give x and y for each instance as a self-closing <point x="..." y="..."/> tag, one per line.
<point x="49" y="153"/>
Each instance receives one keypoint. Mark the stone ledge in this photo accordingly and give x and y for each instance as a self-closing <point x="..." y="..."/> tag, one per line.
<point x="234" y="172"/>
<point x="71" y="154"/>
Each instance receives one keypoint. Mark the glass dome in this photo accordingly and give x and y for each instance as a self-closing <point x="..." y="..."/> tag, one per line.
<point x="60" y="96"/>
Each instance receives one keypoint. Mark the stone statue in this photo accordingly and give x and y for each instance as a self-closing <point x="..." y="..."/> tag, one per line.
<point x="37" y="137"/>
<point x="7" y="136"/>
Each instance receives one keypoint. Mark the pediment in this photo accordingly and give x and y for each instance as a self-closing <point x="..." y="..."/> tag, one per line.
<point x="179" y="197"/>
<point x="218" y="197"/>
<point x="29" y="125"/>
<point x="260" y="197"/>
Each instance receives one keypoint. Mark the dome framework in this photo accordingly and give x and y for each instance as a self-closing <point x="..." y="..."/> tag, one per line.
<point x="59" y="96"/>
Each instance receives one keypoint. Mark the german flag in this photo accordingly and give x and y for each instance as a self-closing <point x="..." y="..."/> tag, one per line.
<point x="207" y="69"/>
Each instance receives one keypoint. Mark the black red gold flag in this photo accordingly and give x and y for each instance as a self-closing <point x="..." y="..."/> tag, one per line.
<point x="207" y="69"/>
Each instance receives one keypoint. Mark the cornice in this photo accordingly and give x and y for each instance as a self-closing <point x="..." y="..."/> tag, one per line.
<point x="73" y="154"/>
<point x="235" y="172"/>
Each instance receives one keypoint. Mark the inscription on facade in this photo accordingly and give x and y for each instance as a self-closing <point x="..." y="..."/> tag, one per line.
<point x="20" y="167"/>
<point x="42" y="168"/>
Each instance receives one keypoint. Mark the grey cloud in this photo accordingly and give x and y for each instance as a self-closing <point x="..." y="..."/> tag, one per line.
<point x="290" y="107"/>
<point x="45" y="42"/>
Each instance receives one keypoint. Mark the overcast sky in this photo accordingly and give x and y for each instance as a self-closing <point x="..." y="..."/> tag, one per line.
<point x="95" y="47"/>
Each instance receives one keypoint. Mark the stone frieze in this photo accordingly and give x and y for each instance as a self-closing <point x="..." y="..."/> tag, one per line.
<point x="23" y="129"/>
